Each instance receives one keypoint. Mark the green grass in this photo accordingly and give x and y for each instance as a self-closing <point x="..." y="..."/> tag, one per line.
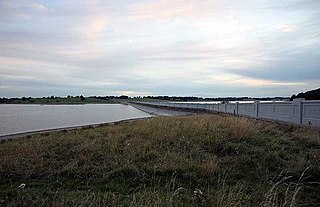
<point x="201" y="160"/>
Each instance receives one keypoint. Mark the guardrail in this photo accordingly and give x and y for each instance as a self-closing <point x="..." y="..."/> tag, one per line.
<point x="298" y="111"/>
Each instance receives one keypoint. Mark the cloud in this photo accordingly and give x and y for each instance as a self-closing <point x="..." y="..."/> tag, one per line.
<point x="289" y="28"/>
<point x="15" y="61"/>
<point x="92" y="28"/>
<point x="38" y="6"/>
<point x="93" y="23"/>
<point x="133" y="93"/>
<point x="20" y="10"/>
<point x="15" y="4"/>
<point x="177" y="47"/>
<point x="165" y="10"/>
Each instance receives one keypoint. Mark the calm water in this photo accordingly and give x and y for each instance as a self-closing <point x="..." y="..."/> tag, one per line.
<point x="25" y="118"/>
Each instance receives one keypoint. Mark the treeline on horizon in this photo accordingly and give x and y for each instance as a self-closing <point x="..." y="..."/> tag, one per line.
<point x="194" y="98"/>
<point x="124" y="97"/>
<point x="309" y="95"/>
<point x="31" y="99"/>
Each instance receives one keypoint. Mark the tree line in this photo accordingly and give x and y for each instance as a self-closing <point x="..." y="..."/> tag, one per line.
<point x="309" y="95"/>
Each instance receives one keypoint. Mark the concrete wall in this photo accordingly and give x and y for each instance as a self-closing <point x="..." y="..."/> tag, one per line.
<point x="298" y="111"/>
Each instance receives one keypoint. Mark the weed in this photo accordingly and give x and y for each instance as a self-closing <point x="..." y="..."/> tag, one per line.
<point x="200" y="160"/>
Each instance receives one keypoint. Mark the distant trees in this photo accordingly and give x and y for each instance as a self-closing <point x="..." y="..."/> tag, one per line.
<point x="123" y="97"/>
<point x="26" y="99"/>
<point x="3" y="100"/>
<point x="293" y="97"/>
<point x="82" y="98"/>
<point x="309" y="95"/>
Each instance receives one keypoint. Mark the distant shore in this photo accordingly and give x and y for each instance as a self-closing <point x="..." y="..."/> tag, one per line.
<point x="59" y="101"/>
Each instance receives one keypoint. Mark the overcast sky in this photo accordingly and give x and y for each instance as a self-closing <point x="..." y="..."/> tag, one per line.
<point x="204" y="48"/>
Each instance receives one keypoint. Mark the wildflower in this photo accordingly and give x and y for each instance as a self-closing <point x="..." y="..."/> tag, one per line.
<point x="22" y="186"/>
<point x="198" y="197"/>
<point x="197" y="191"/>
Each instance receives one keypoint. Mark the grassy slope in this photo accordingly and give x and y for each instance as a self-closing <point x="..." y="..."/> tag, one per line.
<point x="202" y="160"/>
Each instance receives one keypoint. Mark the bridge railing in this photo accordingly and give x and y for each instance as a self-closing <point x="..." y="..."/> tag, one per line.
<point x="298" y="111"/>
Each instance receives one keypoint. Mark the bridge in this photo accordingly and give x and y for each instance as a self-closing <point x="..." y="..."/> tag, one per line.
<point x="298" y="111"/>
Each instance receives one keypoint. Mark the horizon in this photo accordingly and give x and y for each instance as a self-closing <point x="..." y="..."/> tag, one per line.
<point x="145" y="96"/>
<point x="154" y="47"/>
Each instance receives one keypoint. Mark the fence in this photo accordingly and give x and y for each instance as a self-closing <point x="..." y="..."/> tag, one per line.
<point x="298" y="111"/>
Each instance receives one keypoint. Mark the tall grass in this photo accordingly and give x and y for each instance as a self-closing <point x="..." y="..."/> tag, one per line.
<point x="201" y="160"/>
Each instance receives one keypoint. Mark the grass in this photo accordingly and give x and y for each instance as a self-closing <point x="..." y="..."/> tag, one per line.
<point x="200" y="160"/>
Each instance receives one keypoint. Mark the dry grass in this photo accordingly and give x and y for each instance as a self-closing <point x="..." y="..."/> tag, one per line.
<point x="202" y="160"/>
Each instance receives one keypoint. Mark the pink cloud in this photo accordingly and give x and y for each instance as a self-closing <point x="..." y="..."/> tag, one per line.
<point x="38" y="6"/>
<point x="16" y="61"/>
<point x="289" y="28"/>
<point x="93" y="27"/>
<point x="170" y="9"/>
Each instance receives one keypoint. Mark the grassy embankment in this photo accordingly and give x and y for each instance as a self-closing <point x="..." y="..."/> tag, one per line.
<point x="201" y="160"/>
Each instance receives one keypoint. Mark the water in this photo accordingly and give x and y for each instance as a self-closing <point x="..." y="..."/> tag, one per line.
<point x="25" y="118"/>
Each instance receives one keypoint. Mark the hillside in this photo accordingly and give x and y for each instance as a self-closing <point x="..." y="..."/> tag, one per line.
<point x="200" y="160"/>
<point x="309" y="95"/>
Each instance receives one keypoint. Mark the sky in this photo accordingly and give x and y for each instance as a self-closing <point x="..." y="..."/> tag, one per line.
<point x="208" y="48"/>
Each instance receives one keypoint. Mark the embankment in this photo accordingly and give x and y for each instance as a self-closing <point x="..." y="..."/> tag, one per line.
<point x="197" y="160"/>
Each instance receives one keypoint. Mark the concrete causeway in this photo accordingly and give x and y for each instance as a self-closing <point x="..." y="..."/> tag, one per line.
<point x="156" y="111"/>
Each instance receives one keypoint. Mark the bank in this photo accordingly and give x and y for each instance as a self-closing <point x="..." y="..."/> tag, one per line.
<point x="196" y="160"/>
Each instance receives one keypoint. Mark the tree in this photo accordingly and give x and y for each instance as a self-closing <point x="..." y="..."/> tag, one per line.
<point x="293" y="97"/>
<point x="82" y="98"/>
<point x="123" y="97"/>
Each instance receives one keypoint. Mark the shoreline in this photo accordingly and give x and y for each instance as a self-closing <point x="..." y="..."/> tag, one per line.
<point x="130" y="159"/>
<point x="25" y="134"/>
<point x="158" y="111"/>
<point x="153" y="112"/>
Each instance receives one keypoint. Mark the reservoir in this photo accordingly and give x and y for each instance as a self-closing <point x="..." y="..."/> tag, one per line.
<point x="19" y="118"/>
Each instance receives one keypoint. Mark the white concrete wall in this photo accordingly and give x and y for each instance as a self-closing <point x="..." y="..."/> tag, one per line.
<point x="247" y="109"/>
<point x="310" y="113"/>
<point x="298" y="111"/>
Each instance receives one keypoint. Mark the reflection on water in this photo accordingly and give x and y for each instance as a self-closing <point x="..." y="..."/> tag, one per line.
<point x="25" y="118"/>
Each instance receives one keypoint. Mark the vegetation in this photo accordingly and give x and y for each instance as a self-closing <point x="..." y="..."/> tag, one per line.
<point x="192" y="98"/>
<point x="118" y="99"/>
<point x="200" y="160"/>
<point x="309" y="95"/>
<point x="55" y="100"/>
<point x="72" y="100"/>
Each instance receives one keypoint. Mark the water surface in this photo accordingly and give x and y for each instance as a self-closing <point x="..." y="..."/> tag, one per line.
<point x="18" y="118"/>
